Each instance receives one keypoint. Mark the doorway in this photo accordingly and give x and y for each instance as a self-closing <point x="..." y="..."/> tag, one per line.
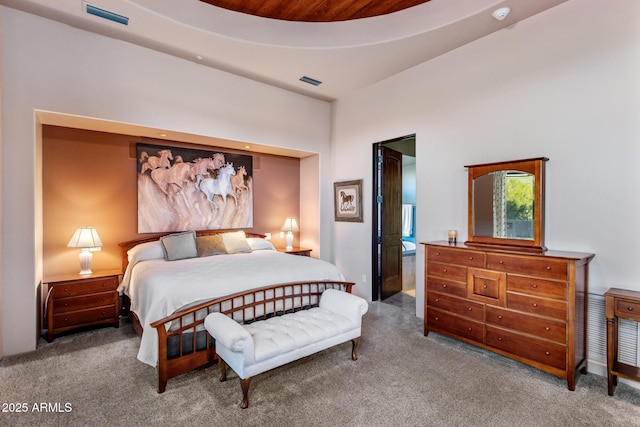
<point x="393" y="225"/>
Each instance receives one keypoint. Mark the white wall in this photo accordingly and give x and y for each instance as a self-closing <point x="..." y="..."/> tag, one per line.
<point x="563" y="84"/>
<point x="54" y="67"/>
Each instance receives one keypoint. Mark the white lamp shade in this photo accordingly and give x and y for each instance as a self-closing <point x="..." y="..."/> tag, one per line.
<point x="85" y="237"/>
<point x="290" y="224"/>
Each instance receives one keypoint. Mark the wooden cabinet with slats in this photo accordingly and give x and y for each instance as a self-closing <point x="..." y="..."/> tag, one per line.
<point x="531" y="307"/>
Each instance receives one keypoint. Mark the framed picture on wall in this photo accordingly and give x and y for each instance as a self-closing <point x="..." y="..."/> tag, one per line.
<point x="348" y="200"/>
<point x="193" y="189"/>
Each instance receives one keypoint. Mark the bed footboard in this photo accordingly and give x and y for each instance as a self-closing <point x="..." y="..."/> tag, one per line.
<point x="184" y="344"/>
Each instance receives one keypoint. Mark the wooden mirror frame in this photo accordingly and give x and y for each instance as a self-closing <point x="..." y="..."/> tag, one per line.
<point x="534" y="166"/>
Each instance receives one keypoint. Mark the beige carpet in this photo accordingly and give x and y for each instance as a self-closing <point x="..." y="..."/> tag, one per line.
<point x="400" y="379"/>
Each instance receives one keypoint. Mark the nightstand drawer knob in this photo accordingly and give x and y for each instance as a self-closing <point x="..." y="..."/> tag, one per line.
<point x="547" y="353"/>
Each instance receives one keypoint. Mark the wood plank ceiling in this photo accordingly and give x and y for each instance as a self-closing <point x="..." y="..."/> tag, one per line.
<point x="315" y="10"/>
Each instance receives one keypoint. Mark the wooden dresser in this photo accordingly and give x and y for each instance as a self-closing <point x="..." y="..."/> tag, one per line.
<point x="531" y="307"/>
<point x="75" y="301"/>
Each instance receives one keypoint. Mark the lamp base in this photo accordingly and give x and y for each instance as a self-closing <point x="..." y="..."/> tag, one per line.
<point x="289" y="241"/>
<point x="85" y="262"/>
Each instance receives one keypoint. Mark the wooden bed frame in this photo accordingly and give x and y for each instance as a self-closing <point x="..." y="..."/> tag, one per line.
<point x="188" y="345"/>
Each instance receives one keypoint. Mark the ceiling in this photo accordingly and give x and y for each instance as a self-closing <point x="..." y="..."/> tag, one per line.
<point x="345" y="55"/>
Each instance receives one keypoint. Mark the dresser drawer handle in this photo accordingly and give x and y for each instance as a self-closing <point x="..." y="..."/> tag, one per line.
<point x="437" y="318"/>
<point x="501" y="262"/>
<point x="470" y="258"/>
<point x="534" y="286"/>
<point x="548" y="268"/>
<point x="547" y="328"/>
<point x="437" y="253"/>
<point x="444" y="270"/>
<point x="470" y="309"/>
<point x="470" y="329"/>
<point x="444" y="286"/>
<point x="437" y="299"/>
<point x="534" y="304"/>
<point x="499" y="338"/>
<point x="484" y="286"/>
<point x="630" y="308"/>
<point x="500" y="316"/>
<point x="548" y="353"/>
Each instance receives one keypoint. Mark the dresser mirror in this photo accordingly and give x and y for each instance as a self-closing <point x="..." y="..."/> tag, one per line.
<point x="506" y="204"/>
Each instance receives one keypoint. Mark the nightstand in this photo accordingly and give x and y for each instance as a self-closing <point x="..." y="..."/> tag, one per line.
<point x="619" y="304"/>
<point x="75" y="301"/>
<point x="296" y="251"/>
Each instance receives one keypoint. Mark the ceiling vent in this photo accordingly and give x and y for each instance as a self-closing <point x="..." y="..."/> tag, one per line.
<point x="310" y="80"/>
<point x="105" y="14"/>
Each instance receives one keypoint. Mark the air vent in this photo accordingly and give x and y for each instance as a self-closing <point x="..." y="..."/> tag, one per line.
<point x="310" y="80"/>
<point x="101" y="13"/>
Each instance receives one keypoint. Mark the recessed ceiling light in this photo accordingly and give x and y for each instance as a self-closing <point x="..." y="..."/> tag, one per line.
<point x="247" y="147"/>
<point x="500" y="14"/>
<point x="199" y="57"/>
<point x="162" y="134"/>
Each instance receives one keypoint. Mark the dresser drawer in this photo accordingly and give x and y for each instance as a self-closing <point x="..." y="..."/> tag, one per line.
<point x="86" y="286"/>
<point x="83" y="317"/>
<point x="548" y="329"/>
<point x="438" y="320"/>
<point x="456" y="256"/>
<point x="539" y="287"/>
<point x="628" y="310"/>
<point x="447" y="271"/>
<point x="64" y="305"/>
<point x="539" y="306"/>
<point x="455" y="305"/>
<point x="446" y="286"/>
<point x="534" y="349"/>
<point x="547" y="268"/>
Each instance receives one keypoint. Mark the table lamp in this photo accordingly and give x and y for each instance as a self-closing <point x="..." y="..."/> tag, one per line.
<point x="290" y="225"/>
<point x="87" y="239"/>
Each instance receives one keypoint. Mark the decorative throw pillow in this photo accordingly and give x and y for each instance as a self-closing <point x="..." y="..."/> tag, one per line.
<point x="145" y="251"/>
<point x="236" y="242"/>
<point x="257" y="244"/>
<point x="179" y="246"/>
<point x="210" y="245"/>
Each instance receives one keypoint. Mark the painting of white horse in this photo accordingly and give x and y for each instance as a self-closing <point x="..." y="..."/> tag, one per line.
<point x="189" y="189"/>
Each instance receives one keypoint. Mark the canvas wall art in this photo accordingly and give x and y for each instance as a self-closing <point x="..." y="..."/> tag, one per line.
<point x="348" y="201"/>
<point x="189" y="189"/>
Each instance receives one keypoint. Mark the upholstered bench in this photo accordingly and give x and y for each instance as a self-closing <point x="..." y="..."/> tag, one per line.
<point x="251" y="349"/>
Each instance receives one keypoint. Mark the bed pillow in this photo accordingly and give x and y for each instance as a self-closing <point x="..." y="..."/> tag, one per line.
<point x="257" y="244"/>
<point x="210" y="245"/>
<point x="145" y="251"/>
<point x="179" y="246"/>
<point x="235" y="242"/>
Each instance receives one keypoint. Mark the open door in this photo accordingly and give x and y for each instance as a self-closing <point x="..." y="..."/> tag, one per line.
<point x="389" y="222"/>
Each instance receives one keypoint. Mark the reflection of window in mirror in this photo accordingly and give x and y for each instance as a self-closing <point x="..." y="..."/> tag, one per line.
<point x="503" y="204"/>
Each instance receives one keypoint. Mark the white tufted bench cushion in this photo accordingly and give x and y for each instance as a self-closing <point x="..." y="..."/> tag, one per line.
<point x="257" y="347"/>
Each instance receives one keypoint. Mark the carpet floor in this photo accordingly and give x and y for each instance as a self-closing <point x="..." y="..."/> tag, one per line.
<point x="401" y="378"/>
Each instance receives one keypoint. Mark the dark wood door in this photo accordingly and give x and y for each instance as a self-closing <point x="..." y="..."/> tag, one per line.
<point x="390" y="222"/>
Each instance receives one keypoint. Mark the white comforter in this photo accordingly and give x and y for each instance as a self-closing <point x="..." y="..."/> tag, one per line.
<point x="158" y="288"/>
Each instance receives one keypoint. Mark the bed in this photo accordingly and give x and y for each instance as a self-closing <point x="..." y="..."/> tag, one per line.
<point x="170" y="291"/>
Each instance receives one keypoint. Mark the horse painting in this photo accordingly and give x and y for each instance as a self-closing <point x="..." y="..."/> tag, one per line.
<point x="155" y="162"/>
<point x="221" y="185"/>
<point x="346" y="202"/>
<point x="237" y="181"/>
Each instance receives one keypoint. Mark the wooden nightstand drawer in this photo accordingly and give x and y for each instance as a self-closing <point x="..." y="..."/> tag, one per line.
<point x="83" y="287"/>
<point x="84" y="317"/>
<point x="628" y="310"/>
<point x="64" y="305"/>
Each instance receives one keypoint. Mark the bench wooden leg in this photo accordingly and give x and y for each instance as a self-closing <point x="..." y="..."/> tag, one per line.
<point x="244" y="384"/>
<point x="223" y="370"/>
<point x="354" y="348"/>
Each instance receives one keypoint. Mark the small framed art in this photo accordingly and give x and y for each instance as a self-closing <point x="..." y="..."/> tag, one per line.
<point x="348" y="200"/>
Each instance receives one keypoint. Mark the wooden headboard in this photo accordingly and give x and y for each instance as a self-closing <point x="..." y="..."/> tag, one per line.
<point x="125" y="246"/>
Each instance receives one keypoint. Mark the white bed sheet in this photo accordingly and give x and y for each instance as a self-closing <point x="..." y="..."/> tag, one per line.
<point x="157" y="288"/>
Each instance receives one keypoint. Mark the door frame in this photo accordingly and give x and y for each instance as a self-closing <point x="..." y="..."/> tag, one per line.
<point x="375" y="222"/>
